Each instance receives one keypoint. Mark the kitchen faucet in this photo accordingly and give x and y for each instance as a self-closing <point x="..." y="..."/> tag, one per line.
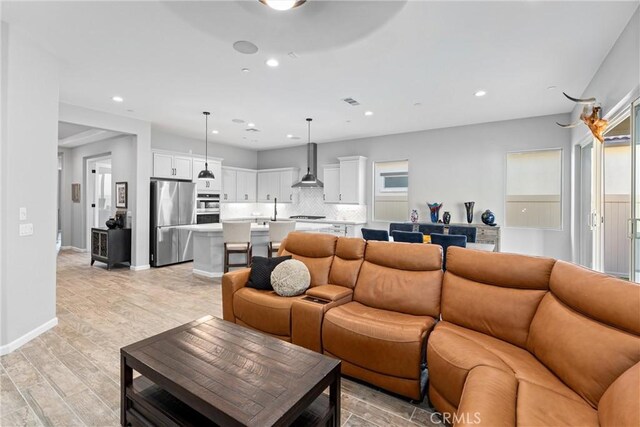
<point x="275" y="208"/>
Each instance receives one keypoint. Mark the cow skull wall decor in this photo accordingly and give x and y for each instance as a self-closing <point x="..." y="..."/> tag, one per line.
<point x="596" y="124"/>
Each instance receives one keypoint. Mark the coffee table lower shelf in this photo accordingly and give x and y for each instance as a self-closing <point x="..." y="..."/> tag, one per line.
<point x="150" y="405"/>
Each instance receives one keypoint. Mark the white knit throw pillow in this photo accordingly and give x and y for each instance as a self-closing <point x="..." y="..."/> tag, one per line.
<point x="290" y="278"/>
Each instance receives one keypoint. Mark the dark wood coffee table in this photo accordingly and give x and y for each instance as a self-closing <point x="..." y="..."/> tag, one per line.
<point x="213" y="372"/>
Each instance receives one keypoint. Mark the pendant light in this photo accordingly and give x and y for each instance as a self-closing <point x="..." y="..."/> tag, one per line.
<point x="310" y="179"/>
<point x="282" y="5"/>
<point x="206" y="174"/>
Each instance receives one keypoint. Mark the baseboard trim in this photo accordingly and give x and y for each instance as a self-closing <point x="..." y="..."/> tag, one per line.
<point x="17" y="343"/>
<point x="72" y="248"/>
<point x="140" y="267"/>
<point x="206" y="273"/>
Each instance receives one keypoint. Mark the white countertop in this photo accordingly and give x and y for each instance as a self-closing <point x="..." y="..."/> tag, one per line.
<point x="255" y="228"/>
<point x="317" y="221"/>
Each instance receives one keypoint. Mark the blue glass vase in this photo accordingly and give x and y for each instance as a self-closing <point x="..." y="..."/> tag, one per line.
<point x="434" y="208"/>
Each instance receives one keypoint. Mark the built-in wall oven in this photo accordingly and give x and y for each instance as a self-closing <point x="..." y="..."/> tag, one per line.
<point x="207" y="208"/>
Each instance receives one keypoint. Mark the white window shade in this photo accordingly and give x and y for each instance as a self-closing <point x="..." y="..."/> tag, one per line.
<point x="534" y="189"/>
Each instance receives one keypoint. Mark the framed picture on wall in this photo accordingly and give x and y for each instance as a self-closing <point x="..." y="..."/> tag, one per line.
<point x="75" y="193"/>
<point x="121" y="195"/>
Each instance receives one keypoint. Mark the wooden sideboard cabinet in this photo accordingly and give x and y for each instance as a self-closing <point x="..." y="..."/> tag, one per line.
<point x="484" y="233"/>
<point x="111" y="246"/>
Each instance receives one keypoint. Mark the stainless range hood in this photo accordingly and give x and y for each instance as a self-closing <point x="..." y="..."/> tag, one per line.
<point x="310" y="180"/>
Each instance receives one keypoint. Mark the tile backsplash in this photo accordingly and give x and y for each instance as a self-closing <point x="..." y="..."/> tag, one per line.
<point x="306" y="201"/>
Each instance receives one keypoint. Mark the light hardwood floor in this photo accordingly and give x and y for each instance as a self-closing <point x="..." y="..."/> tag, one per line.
<point x="70" y="375"/>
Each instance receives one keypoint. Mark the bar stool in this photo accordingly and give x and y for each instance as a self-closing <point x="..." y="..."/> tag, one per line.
<point x="237" y="240"/>
<point x="278" y="230"/>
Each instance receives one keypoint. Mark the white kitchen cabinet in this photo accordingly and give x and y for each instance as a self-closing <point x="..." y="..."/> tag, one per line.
<point x="209" y="186"/>
<point x="287" y="179"/>
<point x="166" y="165"/>
<point x="268" y="185"/>
<point x="331" y="184"/>
<point x="229" y="182"/>
<point x="345" y="182"/>
<point x="245" y="186"/>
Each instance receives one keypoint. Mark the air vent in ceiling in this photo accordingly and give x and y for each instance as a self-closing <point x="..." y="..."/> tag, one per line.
<point x="351" y="101"/>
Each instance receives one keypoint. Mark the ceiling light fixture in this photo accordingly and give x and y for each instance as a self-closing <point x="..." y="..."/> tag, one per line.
<point x="272" y="62"/>
<point x="117" y="99"/>
<point x="480" y="93"/>
<point x="282" y="5"/>
<point x="215" y="132"/>
<point x="245" y="70"/>
<point x="251" y="125"/>
<point x="310" y="180"/>
<point x="206" y="174"/>
<point x="289" y="136"/>
<point x="368" y="113"/>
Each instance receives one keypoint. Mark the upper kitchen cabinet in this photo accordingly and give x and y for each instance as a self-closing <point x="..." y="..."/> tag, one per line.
<point x="167" y="165"/>
<point x="229" y="183"/>
<point x="276" y="183"/>
<point x="245" y="186"/>
<point x="345" y="183"/>
<point x="210" y="186"/>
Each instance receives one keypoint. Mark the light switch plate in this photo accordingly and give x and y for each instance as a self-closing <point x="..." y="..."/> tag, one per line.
<point x="26" y="229"/>
<point x="23" y="214"/>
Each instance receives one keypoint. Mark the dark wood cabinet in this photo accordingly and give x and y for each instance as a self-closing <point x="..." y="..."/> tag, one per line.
<point x="111" y="246"/>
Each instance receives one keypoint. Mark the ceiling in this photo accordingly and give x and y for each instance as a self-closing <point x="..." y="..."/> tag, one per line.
<point x="72" y="135"/>
<point x="172" y="60"/>
<point x="65" y="130"/>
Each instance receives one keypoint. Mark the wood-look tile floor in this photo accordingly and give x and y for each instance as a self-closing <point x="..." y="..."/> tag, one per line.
<point x="70" y="375"/>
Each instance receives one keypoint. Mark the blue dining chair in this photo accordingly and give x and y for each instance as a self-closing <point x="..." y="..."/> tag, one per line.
<point x="427" y="229"/>
<point x="400" y="226"/>
<point x="372" y="234"/>
<point x="407" y="236"/>
<point x="446" y="240"/>
<point x="470" y="232"/>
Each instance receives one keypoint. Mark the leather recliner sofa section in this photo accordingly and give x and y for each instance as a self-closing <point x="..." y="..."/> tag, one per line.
<point x="534" y="341"/>
<point x="379" y="331"/>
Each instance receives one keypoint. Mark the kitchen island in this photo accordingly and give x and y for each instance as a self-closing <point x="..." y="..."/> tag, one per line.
<point x="208" y="245"/>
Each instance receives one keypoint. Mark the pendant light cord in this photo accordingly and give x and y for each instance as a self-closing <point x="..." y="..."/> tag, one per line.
<point x="206" y="140"/>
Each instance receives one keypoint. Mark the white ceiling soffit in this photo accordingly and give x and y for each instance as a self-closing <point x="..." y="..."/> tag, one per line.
<point x="416" y="65"/>
<point x="87" y="137"/>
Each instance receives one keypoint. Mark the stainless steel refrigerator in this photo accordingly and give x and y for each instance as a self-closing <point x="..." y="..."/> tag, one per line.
<point x="173" y="203"/>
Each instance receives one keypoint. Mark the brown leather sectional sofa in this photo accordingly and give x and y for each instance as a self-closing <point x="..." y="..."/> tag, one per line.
<point x="521" y="340"/>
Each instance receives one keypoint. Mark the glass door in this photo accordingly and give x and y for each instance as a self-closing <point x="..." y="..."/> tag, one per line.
<point x="587" y="206"/>
<point x="634" y="221"/>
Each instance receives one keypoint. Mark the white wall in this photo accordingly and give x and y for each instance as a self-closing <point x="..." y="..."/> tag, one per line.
<point x="455" y="165"/>
<point x="233" y="156"/>
<point x="28" y="170"/>
<point x="122" y="151"/>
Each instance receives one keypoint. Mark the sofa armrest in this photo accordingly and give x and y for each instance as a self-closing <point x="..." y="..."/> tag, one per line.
<point x="231" y="282"/>
<point x="330" y="292"/>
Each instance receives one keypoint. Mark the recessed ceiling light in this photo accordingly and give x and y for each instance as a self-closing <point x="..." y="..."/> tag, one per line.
<point x="282" y="4"/>
<point x="289" y="136"/>
<point x="245" y="70"/>
<point x="117" y="99"/>
<point x="215" y="131"/>
<point x="251" y="125"/>
<point x="368" y="113"/>
<point x="245" y="47"/>
<point x="272" y="62"/>
<point x="480" y="93"/>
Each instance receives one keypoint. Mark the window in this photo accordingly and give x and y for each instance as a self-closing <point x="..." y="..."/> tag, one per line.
<point x="391" y="191"/>
<point x="534" y="189"/>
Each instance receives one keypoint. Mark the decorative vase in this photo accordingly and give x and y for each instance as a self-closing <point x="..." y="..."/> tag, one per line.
<point x="469" y="207"/>
<point x="446" y="217"/>
<point x="488" y="217"/>
<point x="435" y="211"/>
<point x="414" y="215"/>
<point x="111" y="223"/>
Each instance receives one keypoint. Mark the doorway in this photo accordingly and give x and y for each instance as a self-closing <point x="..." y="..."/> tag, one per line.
<point x="99" y="197"/>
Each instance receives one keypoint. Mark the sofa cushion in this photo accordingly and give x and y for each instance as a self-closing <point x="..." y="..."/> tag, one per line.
<point x="592" y="355"/>
<point x="402" y="278"/>
<point x="347" y="261"/>
<point x="620" y="404"/>
<point x="496" y="294"/>
<point x="264" y="310"/>
<point x="539" y="406"/>
<point x="383" y="341"/>
<point x="316" y="250"/>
